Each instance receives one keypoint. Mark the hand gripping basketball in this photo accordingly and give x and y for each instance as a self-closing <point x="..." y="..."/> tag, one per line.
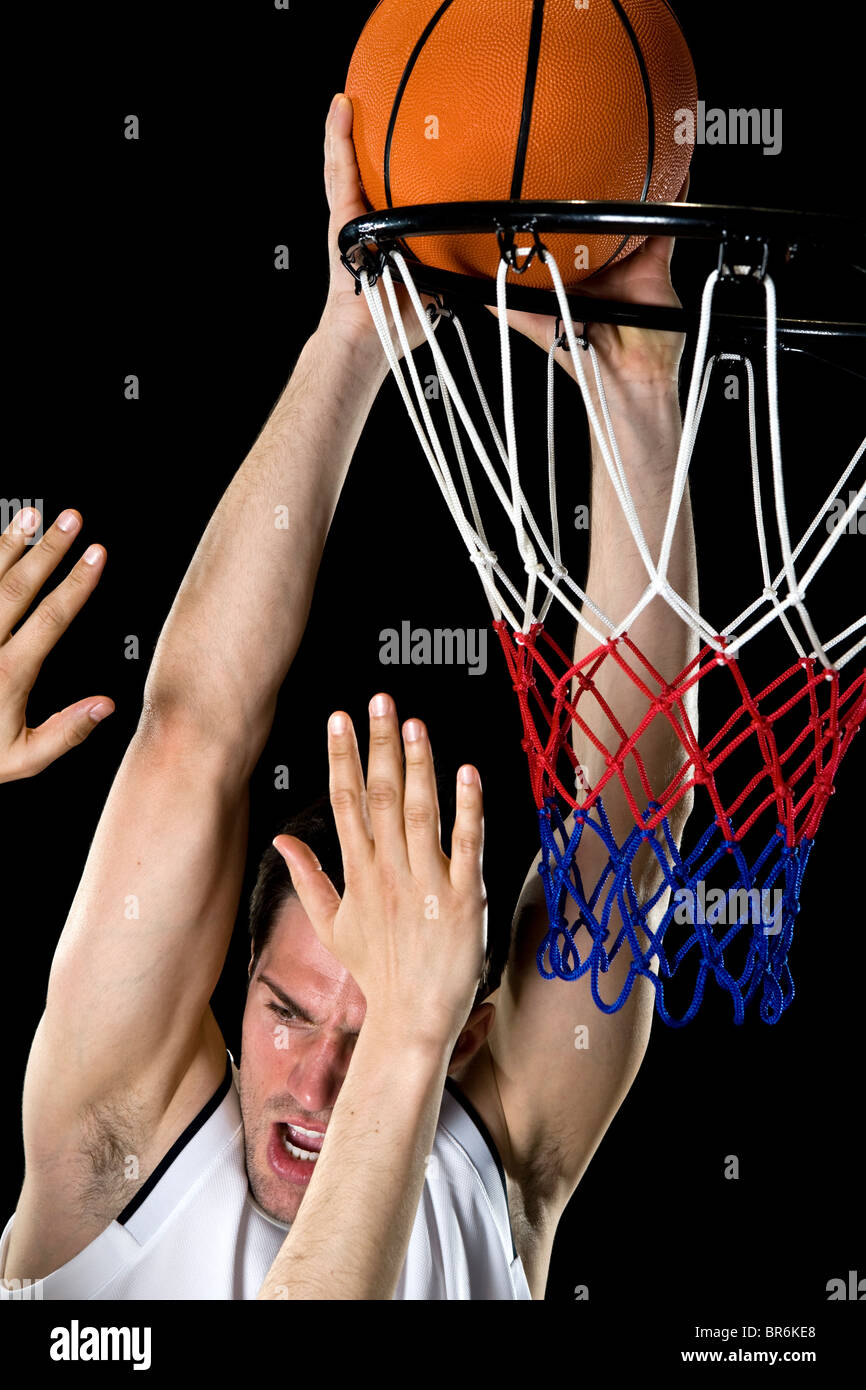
<point x="346" y="312"/>
<point x="635" y="355"/>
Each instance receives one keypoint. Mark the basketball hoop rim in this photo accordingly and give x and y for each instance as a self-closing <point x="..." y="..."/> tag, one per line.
<point x="745" y="237"/>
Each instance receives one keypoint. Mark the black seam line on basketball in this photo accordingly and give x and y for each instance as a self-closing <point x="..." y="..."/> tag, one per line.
<point x="528" y="97"/>
<point x="675" y="17"/>
<point x="651" y="122"/>
<point x="395" y="110"/>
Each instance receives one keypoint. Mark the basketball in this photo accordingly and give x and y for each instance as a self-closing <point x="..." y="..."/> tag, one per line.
<point x="477" y="100"/>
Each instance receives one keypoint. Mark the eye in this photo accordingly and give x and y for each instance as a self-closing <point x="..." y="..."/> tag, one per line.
<point x="285" y="1015"/>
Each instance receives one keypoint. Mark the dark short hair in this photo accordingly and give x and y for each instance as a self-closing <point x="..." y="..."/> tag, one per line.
<point x="314" y="825"/>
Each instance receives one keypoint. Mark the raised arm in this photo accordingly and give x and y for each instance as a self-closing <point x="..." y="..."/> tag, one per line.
<point x="127" y="1049"/>
<point x="547" y="1102"/>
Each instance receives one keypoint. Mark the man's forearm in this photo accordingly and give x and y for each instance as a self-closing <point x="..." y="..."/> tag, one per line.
<point x="647" y="423"/>
<point x="648" y="426"/>
<point x="351" y="1234"/>
<point x="241" y="611"/>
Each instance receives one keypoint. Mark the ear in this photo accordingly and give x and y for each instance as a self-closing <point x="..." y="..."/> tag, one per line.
<point x="474" y="1034"/>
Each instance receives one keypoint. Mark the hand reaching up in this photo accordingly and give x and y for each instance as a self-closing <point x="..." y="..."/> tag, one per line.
<point x="23" y="572"/>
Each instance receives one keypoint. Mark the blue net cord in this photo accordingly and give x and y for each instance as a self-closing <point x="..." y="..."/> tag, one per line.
<point x="743" y="909"/>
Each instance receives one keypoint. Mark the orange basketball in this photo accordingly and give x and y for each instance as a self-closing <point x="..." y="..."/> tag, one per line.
<point x="503" y="99"/>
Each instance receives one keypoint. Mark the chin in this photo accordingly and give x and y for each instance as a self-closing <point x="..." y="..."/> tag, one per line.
<point x="269" y="1194"/>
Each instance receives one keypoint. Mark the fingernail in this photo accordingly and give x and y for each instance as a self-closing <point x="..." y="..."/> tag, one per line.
<point x="468" y="776"/>
<point x="28" y="520"/>
<point x="92" y="555"/>
<point x="68" y="522"/>
<point x="413" y="730"/>
<point x="379" y="706"/>
<point x="99" y="711"/>
<point x="338" y="723"/>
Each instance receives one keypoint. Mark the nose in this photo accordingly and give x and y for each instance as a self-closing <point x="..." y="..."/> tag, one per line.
<point x="318" y="1068"/>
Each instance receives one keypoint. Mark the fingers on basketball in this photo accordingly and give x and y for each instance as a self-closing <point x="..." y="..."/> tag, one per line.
<point x="342" y="179"/>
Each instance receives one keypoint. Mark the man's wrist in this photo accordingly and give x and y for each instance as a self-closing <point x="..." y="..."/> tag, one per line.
<point x="359" y="353"/>
<point x="640" y="406"/>
<point x="393" y="1034"/>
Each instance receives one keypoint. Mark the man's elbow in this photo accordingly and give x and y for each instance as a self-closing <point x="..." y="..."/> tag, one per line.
<point x="175" y="732"/>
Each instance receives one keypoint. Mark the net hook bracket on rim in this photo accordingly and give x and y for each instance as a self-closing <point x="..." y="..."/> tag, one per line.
<point x="507" y="237"/>
<point x="439" y="308"/>
<point x="561" y="339"/>
<point x="364" y="257"/>
<point x="737" y="259"/>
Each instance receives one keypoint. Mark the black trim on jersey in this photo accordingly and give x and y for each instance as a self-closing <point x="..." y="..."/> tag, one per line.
<point x="162" y="1168"/>
<point x="454" y="1090"/>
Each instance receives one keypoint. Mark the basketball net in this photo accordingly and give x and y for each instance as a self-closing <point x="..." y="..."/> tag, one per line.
<point x="793" y="773"/>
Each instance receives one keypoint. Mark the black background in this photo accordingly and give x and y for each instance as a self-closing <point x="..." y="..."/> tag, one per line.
<point x="156" y="258"/>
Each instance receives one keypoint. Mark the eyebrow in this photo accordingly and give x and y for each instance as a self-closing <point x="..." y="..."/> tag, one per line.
<point x="285" y="999"/>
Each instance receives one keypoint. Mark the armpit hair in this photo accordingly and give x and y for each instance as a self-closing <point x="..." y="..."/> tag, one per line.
<point x="111" y="1133"/>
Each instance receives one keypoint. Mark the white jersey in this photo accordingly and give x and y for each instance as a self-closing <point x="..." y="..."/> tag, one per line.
<point x="194" y="1231"/>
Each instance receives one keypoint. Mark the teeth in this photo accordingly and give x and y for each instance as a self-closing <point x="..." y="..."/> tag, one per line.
<point x="311" y="1133"/>
<point x="304" y="1154"/>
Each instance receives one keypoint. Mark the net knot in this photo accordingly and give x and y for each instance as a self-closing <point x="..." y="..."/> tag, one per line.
<point x="484" y="557"/>
<point x="823" y="784"/>
<point x="536" y="568"/>
<point x="770" y="594"/>
<point x="702" y="772"/>
<point x="559" y="572"/>
<point x="713" y="954"/>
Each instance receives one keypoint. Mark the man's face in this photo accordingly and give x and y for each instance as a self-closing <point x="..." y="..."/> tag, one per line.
<point x="302" y="1017"/>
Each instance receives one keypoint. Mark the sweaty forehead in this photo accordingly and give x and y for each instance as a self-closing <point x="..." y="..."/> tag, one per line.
<point x="296" y="960"/>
